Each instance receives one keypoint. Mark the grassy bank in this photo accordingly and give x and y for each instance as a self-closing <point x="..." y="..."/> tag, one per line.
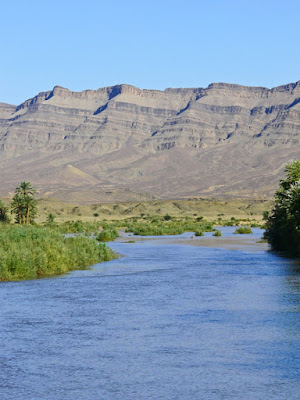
<point x="155" y="225"/>
<point x="160" y="227"/>
<point x="32" y="252"/>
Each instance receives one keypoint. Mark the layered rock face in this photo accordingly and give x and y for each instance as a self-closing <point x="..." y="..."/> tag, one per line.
<point x="221" y="140"/>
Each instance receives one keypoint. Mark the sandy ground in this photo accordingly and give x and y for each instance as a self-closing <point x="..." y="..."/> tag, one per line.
<point x="230" y="243"/>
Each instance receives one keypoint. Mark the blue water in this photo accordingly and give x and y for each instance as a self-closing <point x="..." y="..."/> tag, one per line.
<point x="165" y="321"/>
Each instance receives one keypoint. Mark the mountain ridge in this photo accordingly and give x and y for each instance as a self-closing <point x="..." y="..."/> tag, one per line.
<point x="222" y="140"/>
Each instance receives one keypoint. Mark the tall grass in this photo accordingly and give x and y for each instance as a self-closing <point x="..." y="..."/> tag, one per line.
<point x="32" y="252"/>
<point x="77" y="227"/>
<point x="147" y="225"/>
<point x="160" y="228"/>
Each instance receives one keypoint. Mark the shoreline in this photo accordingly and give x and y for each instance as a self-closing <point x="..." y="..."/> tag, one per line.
<point x="226" y="243"/>
<point x="238" y="242"/>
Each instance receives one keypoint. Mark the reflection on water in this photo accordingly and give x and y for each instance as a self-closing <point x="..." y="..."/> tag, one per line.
<point x="165" y="321"/>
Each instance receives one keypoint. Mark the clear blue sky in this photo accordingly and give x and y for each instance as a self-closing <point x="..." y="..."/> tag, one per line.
<point x="154" y="44"/>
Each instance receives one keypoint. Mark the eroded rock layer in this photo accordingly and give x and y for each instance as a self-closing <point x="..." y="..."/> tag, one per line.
<point x="221" y="140"/>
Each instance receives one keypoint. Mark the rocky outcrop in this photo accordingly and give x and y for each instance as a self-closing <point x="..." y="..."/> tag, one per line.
<point x="131" y="138"/>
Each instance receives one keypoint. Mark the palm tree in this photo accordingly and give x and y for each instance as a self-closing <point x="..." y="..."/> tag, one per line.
<point x="24" y="203"/>
<point x="30" y="209"/>
<point x="25" y="189"/>
<point x="3" y="212"/>
<point x="17" y="207"/>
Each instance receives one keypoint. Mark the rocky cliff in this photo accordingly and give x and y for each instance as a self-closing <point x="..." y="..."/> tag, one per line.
<point x="123" y="141"/>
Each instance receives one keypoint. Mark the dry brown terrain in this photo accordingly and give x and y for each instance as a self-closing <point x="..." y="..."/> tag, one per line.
<point x="122" y="143"/>
<point x="211" y="209"/>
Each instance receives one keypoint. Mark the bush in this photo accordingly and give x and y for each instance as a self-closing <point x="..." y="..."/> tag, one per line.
<point x="107" y="235"/>
<point x="199" y="233"/>
<point x="243" y="230"/>
<point x="229" y="223"/>
<point x="217" y="233"/>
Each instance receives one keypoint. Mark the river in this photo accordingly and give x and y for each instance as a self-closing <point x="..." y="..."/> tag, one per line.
<point x="168" y="320"/>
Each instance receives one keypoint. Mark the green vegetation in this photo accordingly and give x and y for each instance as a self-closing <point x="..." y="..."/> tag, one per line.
<point x="28" y="252"/>
<point x="217" y="233"/>
<point x="24" y="204"/>
<point x="78" y="227"/>
<point x="107" y="235"/>
<point x="160" y="227"/>
<point x="283" y="222"/>
<point x="152" y="225"/>
<point x="243" y="230"/>
<point x="50" y="219"/>
<point x="4" y="217"/>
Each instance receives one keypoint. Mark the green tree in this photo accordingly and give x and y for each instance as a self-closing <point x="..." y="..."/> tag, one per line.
<point x="30" y="209"/>
<point x="50" y="219"/>
<point x="17" y="208"/>
<point x="4" y="217"/>
<point x="24" y="203"/>
<point x="283" y="222"/>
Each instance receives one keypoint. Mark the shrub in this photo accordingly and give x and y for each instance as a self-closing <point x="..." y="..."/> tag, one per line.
<point x="107" y="235"/>
<point x="229" y="223"/>
<point x="217" y="233"/>
<point x="243" y="230"/>
<point x="50" y="219"/>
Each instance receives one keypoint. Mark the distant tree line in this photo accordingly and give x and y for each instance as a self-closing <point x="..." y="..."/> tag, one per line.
<point x="283" y="222"/>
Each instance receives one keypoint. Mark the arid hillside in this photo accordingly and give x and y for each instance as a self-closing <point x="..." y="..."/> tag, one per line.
<point x="122" y="143"/>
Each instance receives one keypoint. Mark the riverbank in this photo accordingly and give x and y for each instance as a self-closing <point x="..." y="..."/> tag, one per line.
<point x="29" y="252"/>
<point x="227" y="243"/>
<point x="228" y="240"/>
